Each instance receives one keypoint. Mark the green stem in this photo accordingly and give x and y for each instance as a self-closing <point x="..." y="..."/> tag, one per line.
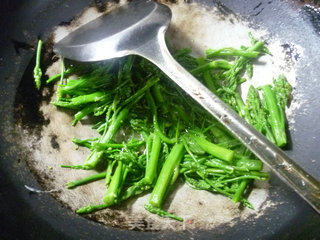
<point x="249" y="164"/>
<point x="242" y="108"/>
<point x="152" y="162"/>
<point x="262" y="175"/>
<point x="157" y="129"/>
<point x="176" y="173"/>
<point x="86" y="180"/>
<point x="238" y="194"/>
<point x="161" y="212"/>
<point x="275" y="116"/>
<point x="216" y="163"/>
<point x="113" y="190"/>
<point x="165" y="176"/>
<point x="188" y="149"/>
<point x="231" y="52"/>
<point x="136" y="189"/>
<point x="84" y="112"/>
<point x="215" y="150"/>
<point x="156" y="90"/>
<point x="56" y="77"/>
<point x="37" y="73"/>
<point x="209" y="81"/>
<point x="141" y="91"/>
<point x="79" y="101"/>
<point x="85" y="142"/>
<point x="91" y="208"/>
<point x="219" y="64"/>
<point x="219" y="134"/>
<point x="241" y="178"/>
<point x="95" y="155"/>
<point x="104" y="146"/>
<point x="109" y="172"/>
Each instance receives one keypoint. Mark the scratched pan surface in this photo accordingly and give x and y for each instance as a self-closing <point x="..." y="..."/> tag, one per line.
<point x="40" y="216"/>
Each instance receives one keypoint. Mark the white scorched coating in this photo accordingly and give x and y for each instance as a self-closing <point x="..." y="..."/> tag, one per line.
<point x="192" y="26"/>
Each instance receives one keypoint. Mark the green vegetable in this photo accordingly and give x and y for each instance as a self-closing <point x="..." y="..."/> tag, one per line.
<point x="165" y="177"/>
<point x="159" y="191"/>
<point x="214" y="150"/>
<point x="95" y="155"/>
<point x="161" y="212"/>
<point x="115" y="185"/>
<point x="258" y="114"/>
<point x="275" y="99"/>
<point x="86" y="180"/>
<point x="249" y="164"/>
<point x="218" y="64"/>
<point x="81" y="100"/>
<point x="37" y="73"/>
<point x="152" y="161"/>
<point x="231" y="52"/>
<point x="149" y="132"/>
<point x="56" y="77"/>
<point x="240" y="190"/>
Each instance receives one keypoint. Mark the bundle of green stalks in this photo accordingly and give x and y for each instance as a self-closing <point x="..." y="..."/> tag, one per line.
<point x="167" y="134"/>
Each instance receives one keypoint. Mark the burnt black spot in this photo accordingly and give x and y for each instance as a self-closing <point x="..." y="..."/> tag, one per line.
<point x="260" y="3"/>
<point x="65" y="23"/>
<point x="53" y="141"/>
<point x="170" y="1"/>
<point x="313" y="2"/>
<point x="257" y="13"/>
<point x="21" y="45"/>
<point x="48" y="55"/>
<point x="313" y="15"/>
<point x="112" y="217"/>
<point x="100" y="5"/>
<point x="226" y="121"/>
<point x="222" y="8"/>
<point x="200" y="203"/>
<point x="290" y="51"/>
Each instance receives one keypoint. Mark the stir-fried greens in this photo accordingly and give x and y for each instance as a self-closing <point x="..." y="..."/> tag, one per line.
<point x="151" y="132"/>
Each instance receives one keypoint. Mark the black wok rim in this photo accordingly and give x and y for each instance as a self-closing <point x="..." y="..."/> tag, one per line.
<point x="41" y="216"/>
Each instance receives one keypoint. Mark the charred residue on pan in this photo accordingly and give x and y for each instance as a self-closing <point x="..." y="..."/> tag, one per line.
<point x="101" y="5"/>
<point x="18" y="45"/>
<point x="312" y="2"/>
<point x="222" y="8"/>
<point x="291" y="52"/>
<point x="312" y="14"/>
<point x="28" y="118"/>
<point x="54" y="143"/>
<point x="114" y="218"/>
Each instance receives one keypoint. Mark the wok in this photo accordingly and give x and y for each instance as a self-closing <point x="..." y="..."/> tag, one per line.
<point x="33" y="216"/>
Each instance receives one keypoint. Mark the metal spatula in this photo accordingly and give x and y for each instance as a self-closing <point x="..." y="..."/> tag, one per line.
<point x="139" y="28"/>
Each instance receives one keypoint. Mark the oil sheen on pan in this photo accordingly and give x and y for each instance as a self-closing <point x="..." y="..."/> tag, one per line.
<point x="48" y="142"/>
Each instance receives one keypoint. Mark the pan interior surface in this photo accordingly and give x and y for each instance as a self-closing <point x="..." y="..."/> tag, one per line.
<point x="53" y="147"/>
<point x="45" y="132"/>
